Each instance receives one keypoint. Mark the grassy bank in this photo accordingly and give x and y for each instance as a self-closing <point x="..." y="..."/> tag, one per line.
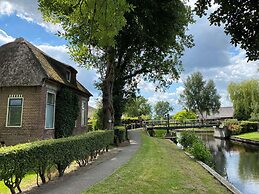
<point x="251" y="136"/>
<point x="159" y="167"/>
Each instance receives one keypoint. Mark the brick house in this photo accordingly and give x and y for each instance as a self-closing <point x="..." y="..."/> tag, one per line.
<point x="29" y="81"/>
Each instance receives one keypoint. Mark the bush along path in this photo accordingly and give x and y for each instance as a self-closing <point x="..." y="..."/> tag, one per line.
<point x="39" y="157"/>
<point x="159" y="167"/>
<point x="76" y="182"/>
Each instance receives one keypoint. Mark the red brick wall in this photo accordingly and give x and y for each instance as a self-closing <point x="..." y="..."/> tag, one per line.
<point x="32" y="118"/>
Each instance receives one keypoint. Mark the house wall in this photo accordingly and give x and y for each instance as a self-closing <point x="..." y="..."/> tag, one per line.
<point x="32" y="118"/>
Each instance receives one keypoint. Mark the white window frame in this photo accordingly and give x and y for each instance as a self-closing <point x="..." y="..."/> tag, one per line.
<point x="83" y="123"/>
<point x="8" y="105"/>
<point x="51" y="92"/>
<point x="68" y="75"/>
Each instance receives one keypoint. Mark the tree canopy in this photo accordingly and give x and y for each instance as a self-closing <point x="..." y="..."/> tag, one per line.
<point x="200" y="96"/>
<point x="162" y="108"/>
<point x="245" y="99"/>
<point x="240" y="19"/>
<point x="137" y="106"/>
<point x="125" y="40"/>
<point x="150" y="46"/>
<point x="184" y="115"/>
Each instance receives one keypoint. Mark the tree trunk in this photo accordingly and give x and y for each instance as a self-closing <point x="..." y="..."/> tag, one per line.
<point x="107" y="88"/>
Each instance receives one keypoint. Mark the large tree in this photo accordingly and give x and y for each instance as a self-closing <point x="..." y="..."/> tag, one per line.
<point x="150" y="44"/>
<point x="245" y="99"/>
<point x="137" y="106"/>
<point x="240" y="19"/>
<point x="90" y="27"/>
<point x="162" y="108"/>
<point x="200" y="96"/>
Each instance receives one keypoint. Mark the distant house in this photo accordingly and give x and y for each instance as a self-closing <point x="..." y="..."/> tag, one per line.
<point x="223" y="113"/>
<point x="29" y="81"/>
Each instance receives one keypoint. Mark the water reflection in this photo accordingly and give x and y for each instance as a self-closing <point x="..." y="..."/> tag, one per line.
<point x="238" y="163"/>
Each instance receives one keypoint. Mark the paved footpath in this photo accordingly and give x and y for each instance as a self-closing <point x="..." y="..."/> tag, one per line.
<point x="104" y="166"/>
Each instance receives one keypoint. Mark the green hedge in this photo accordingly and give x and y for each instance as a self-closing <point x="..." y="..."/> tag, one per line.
<point x="243" y="127"/>
<point x="120" y="134"/>
<point x="248" y="126"/>
<point x="16" y="161"/>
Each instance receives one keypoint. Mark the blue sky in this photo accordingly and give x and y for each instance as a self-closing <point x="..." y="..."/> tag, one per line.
<point x="212" y="54"/>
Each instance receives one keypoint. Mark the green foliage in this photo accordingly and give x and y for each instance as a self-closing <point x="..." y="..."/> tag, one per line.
<point x="245" y="99"/>
<point x="194" y="145"/>
<point x="240" y="20"/>
<point x="200" y="96"/>
<point x="184" y="115"/>
<point x="241" y="127"/>
<point x="16" y="161"/>
<point x="162" y="108"/>
<point x="120" y="134"/>
<point x="86" y="23"/>
<point x="187" y="139"/>
<point x="249" y="126"/>
<point x="235" y="129"/>
<point x="67" y="110"/>
<point x="137" y="106"/>
<point x="200" y="152"/>
<point x="228" y="122"/>
<point x="160" y="133"/>
<point x="150" y="46"/>
<point x="98" y="119"/>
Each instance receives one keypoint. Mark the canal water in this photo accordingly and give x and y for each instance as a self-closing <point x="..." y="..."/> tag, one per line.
<point x="236" y="162"/>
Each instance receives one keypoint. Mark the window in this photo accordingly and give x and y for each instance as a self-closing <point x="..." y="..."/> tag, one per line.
<point x="68" y="76"/>
<point x="84" y="114"/>
<point x="14" y="112"/>
<point x="50" y="111"/>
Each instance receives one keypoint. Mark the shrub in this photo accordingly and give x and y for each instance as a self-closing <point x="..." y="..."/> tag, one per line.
<point x="194" y="145"/>
<point x="16" y="161"/>
<point x="187" y="138"/>
<point x="235" y="129"/>
<point x="248" y="126"/>
<point x="200" y="152"/>
<point x="228" y="122"/>
<point x="119" y="134"/>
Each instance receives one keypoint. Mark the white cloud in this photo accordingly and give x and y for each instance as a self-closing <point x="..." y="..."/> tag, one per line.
<point x="27" y="10"/>
<point x="5" y="38"/>
<point x="6" y="8"/>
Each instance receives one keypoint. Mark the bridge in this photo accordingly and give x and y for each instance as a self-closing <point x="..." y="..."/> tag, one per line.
<point x="172" y="124"/>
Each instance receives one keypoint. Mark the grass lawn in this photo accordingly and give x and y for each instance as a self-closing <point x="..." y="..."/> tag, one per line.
<point x="252" y="136"/>
<point x="159" y="167"/>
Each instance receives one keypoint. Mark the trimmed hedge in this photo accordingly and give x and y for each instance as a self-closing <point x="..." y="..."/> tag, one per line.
<point x="120" y="134"/>
<point x="16" y="161"/>
<point x="237" y="128"/>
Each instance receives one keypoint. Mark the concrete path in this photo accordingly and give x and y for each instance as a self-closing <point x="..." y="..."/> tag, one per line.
<point x="104" y="166"/>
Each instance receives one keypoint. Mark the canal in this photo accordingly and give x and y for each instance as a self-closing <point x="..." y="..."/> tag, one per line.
<point x="236" y="162"/>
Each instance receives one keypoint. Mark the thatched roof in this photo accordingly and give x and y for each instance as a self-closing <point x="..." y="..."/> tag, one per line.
<point x="223" y="113"/>
<point x="23" y="64"/>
